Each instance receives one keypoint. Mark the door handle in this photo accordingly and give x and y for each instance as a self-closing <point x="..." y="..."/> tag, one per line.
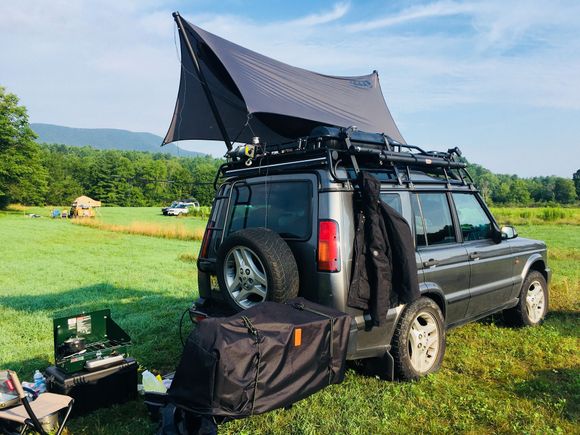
<point x="430" y="263"/>
<point x="473" y="256"/>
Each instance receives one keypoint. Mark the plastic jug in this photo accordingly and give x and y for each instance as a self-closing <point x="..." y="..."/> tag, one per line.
<point x="151" y="383"/>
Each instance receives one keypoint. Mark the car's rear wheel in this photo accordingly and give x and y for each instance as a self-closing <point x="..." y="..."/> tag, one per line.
<point x="255" y="265"/>
<point x="418" y="344"/>
<point x="533" y="304"/>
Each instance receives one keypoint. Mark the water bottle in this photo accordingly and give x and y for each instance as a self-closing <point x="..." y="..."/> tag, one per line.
<point x="39" y="382"/>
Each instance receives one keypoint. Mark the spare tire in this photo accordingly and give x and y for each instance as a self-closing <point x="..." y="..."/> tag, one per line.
<point x="255" y="265"/>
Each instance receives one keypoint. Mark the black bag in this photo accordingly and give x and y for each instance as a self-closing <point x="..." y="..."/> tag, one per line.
<point x="266" y="357"/>
<point x="177" y="421"/>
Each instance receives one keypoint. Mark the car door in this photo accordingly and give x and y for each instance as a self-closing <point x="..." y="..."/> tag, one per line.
<point x="491" y="263"/>
<point x="443" y="260"/>
<point x="394" y="200"/>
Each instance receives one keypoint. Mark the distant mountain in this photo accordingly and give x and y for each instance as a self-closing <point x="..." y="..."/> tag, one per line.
<point x="106" y="139"/>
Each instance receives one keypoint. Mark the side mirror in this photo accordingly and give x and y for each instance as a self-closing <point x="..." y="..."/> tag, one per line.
<point x="508" y="232"/>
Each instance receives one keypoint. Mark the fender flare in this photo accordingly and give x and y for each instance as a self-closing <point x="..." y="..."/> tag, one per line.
<point x="532" y="259"/>
<point x="433" y="291"/>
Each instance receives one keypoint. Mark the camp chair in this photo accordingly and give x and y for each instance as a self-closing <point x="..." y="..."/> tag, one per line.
<point x="29" y="414"/>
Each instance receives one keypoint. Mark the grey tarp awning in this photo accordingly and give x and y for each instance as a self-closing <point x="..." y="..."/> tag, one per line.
<point x="259" y="96"/>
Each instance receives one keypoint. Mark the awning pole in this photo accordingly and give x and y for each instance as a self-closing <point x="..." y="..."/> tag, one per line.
<point x="204" y="84"/>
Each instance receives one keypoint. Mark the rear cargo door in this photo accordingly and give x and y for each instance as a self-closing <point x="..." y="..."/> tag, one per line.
<point x="285" y="204"/>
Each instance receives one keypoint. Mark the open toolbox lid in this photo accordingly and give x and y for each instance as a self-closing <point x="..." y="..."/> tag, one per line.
<point x="87" y="337"/>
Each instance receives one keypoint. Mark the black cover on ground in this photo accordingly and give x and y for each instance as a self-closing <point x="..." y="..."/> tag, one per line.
<point x="384" y="267"/>
<point x="266" y="357"/>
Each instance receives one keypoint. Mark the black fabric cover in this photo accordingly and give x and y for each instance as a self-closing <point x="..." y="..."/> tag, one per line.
<point x="260" y="96"/>
<point x="249" y="363"/>
<point x="384" y="269"/>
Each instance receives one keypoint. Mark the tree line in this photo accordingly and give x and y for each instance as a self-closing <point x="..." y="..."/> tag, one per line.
<point x="502" y="189"/>
<point x="39" y="174"/>
<point x="125" y="178"/>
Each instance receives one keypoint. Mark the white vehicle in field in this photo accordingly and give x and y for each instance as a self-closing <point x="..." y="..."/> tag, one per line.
<point x="181" y="207"/>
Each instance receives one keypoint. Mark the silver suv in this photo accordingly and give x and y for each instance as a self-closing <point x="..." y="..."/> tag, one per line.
<point x="283" y="224"/>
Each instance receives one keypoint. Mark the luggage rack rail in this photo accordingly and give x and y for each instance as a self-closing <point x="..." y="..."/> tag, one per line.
<point x="350" y="150"/>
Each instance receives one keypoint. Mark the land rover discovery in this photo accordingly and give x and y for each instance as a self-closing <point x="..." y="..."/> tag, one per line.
<point x="283" y="224"/>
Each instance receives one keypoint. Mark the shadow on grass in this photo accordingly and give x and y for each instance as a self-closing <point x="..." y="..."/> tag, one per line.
<point x="372" y="368"/>
<point x="25" y="367"/>
<point x="558" y="387"/>
<point x="565" y="322"/>
<point x="90" y="298"/>
<point x="150" y="318"/>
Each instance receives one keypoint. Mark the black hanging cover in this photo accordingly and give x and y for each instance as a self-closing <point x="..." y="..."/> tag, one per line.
<point x="257" y="95"/>
<point x="384" y="267"/>
<point x="266" y="357"/>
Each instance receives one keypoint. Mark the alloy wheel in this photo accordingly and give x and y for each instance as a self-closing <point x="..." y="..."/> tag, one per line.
<point x="423" y="342"/>
<point x="245" y="277"/>
<point x="535" y="301"/>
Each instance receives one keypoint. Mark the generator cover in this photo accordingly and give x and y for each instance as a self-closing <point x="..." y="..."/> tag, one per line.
<point x="266" y="357"/>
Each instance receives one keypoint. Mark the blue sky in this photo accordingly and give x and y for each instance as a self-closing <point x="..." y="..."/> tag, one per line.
<point x="499" y="79"/>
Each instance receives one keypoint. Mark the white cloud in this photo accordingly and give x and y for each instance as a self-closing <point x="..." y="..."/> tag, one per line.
<point x="338" y="11"/>
<point x="414" y="13"/>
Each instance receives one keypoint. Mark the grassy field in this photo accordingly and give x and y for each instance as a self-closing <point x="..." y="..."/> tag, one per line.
<point x="147" y="221"/>
<point x="494" y="379"/>
<point x="537" y="215"/>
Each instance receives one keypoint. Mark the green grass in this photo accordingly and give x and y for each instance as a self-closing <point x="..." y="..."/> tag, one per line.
<point x="145" y="221"/>
<point x="539" y="215"/>
<point x="128" y="215"/>
<point x="494" y="379"/>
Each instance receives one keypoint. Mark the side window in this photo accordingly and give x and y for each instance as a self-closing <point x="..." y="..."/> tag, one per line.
<point x="393" y="200"/>
<point x="436" y="218"/>
<point x="475" y="225"/>
<point x="420" y="239"/>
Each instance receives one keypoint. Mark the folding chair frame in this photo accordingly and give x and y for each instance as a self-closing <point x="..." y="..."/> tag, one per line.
<point x="32" y="422"/>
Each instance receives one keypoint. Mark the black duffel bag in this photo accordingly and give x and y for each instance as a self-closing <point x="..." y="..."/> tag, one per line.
<point x="266" y="357"/>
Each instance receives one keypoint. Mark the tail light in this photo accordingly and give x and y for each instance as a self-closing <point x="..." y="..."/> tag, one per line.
<point x="328" y="246"/>
<point x="197" y="316"/>
<point x="206" y="239"/>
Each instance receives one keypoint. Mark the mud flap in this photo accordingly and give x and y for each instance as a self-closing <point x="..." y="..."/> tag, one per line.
<point x="382" y="366"/>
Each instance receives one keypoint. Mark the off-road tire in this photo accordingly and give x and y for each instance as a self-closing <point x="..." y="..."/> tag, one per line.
<point x="400" y="346"/>
<point x="519" y="315"/>
<point x="274" y="254"/>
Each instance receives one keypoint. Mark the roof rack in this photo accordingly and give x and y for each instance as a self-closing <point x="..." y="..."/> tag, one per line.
<point x="331" y="146"/>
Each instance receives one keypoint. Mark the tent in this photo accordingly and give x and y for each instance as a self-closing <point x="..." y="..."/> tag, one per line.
<point x="230" y="93"/>
<point x="85" y="201"/>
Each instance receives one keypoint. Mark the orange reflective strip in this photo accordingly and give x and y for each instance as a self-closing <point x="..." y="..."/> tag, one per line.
<point x="297" y="337"/>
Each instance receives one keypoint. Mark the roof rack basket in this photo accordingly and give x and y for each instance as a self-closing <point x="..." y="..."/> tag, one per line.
<point x="351" y="148"/>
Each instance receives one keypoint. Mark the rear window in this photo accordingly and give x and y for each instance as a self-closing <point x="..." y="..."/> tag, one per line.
<point x="283" y="207"/>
